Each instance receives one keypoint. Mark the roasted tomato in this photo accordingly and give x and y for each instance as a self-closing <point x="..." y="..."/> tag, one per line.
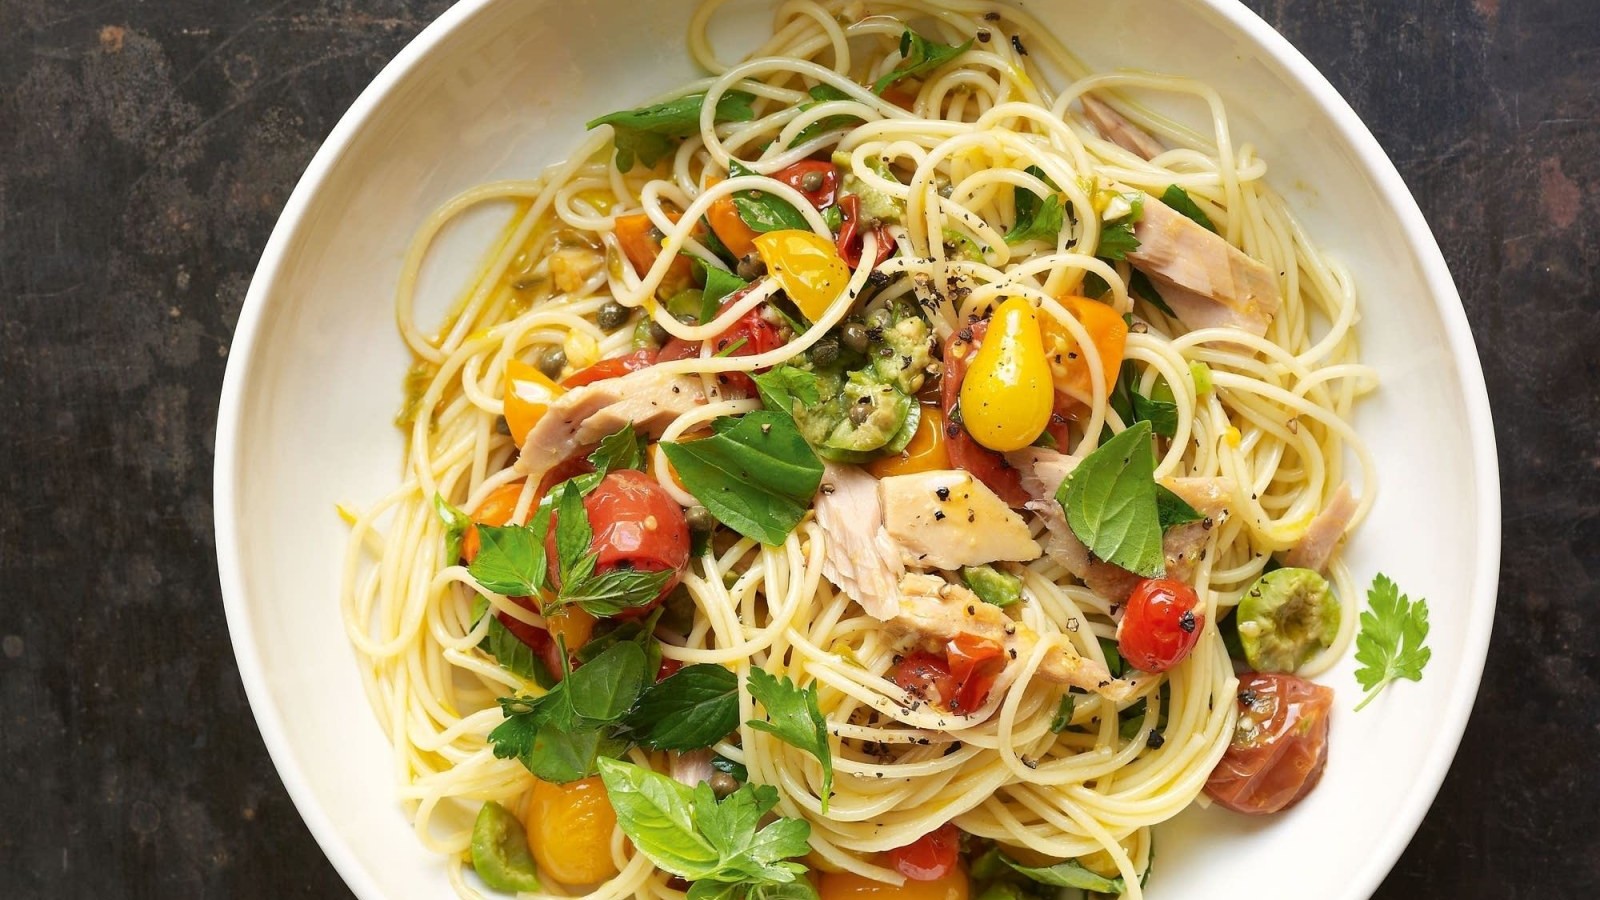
<point x="1159" y="626"/>
<point x="1280" y="744"/>
<point x="959" y="680"/>
<point x="817" y="180"/>
<point x="930" y="857"/>
<point x="636" y="525"/>
<point x="926" y="676"/>
<point x="850" y="240"/>
<point x="615" y="367"/>
<point x="986" y="465"/>
<point x="750" y="335"/>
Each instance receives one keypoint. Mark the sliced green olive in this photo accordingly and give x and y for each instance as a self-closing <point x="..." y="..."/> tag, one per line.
<point x="1287" y="617"/>
<point x="500" y="852"/>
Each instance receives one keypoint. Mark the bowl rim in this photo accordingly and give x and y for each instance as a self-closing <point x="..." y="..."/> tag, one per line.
<point x="1400" y="828"/>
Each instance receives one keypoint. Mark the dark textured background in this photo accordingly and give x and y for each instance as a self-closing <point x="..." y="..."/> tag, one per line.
<point x="145" y="150"/>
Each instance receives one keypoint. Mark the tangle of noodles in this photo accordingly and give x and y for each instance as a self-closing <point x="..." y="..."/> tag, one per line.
<point x="1276" y="422"/>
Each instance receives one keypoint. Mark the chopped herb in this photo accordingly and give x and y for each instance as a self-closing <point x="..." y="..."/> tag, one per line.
<point x="761" y="211"/>
<point x="622" y="449"/>
<point x="456" y="524"/>
<point x="919" y="57"/>
<point x="1179" y="199"/>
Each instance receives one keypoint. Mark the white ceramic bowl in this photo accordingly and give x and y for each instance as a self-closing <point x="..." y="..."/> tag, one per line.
<point x="498" y="89"/>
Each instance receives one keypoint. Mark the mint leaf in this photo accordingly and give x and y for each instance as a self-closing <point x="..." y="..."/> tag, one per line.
<point x="651" y="132"/>
<point x="920" y="56"/>
<point x="1392" y="640"/>
<point x="456" y="524"/>
<point x="602" y="691"/>
<point x="1180" y="201"/>
<point x="508" y="650"/>
<point x="693" y="707"/>
<point x="510" y="560"/>
<point x="756" y="474"/>
<point x="573" y="534"/>
<point x="1110" y="502"/>
<point x="622" y="449"/>
<point x="614" y="591"/>
<point x="822" y="93"/>
<point x="793" y="716"/>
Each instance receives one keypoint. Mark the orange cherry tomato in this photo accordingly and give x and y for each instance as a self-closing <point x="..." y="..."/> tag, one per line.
<point x="927" y="451"/>
<point x="851" y="886"/>
<point x="528" y="396"/>
<point x="729" y="227"/>
<point x="569" y="831"/>
<point x="615" y="367"/>
<point x="1279" y="747"/>
<point x="1159" y="627"/>
<point x="641" y="244"/>
<point x="1068" y="364"/>
<point x="930" y="857"/>
<point x="496" y="509"/>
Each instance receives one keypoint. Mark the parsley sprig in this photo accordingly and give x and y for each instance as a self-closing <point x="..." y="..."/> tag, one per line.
<point x="1391" y="643"/>
<point x="794" y="718"/>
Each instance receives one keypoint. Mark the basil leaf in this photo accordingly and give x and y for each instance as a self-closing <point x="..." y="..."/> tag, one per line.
<point x="720" y="284"/>
<point x="920" y="56"/>
<point x="693" y="707"/>
<point x="1161" y="414"/>
<point x="756" y="474"/>
<point x="603" y="690"/>
<point x="1140" y="285"/>
<point x="793" y="716"/>
<point x="638" y="631"/>
<point x="656" y="813"/>
<point x="764" y="212"/>
<point x="1173" y="510"/>
<point x="1069" y="874"/>
<point x="781" y="387"/>
<point x="1179" y="199"/>
<point x="456" y="524"/>
<point x="621" y="449"/>
<point x="822" y="93"/>
<point x="1110" y="502"/>
<point x="1038" y="219"/>
<point x="560" y="757"/>
<point x="508" y="650"/>
<point x="510" y="560"/>
<point x="651" y="132"/>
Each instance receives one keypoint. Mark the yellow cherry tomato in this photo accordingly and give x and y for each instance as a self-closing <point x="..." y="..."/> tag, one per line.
<point x="572" y="625"/>
<point x="807" y="266"/>
<point x="1007" y="396"/>
<point x="925" y="453"/>
<point x="528" y="397"/>
<point x="1068" y="363"/>
<point x="850" y="886"/>
<point x="569" y="831"/>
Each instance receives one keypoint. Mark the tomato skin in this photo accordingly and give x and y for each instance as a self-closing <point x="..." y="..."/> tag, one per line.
<point x="986" y="465"/>
<point x="795" y="177"/>
<point x="1008" y="394"/>
<point x="925" y="676"/>
<point x="1279" y="748"/>
<point x="974" y="664"/>
<point x="1159" y="626"/>
<point x="752" y="328"/>
<point x="615" y="367"/>
<point x="926" y="452"/>
<point x="569" y="831"/>
<point x="636" y="525"/>
<point x="1069" y="366"/>
<point x="668" y="668"/>
<point x="808" y="268"/>
<point x="850" y="242"/>
<point x="930" y="857"/>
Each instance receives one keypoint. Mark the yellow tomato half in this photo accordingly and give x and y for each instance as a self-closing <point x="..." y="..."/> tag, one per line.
<point x="528" y="397"/>
<point x="850" y="886"/>
<point x="1008" y="394"/>
<point x="569" y="831"/>
<point x="807" y="266"/>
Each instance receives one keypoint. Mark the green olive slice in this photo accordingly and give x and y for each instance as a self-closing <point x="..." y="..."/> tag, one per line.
<point x="1287" y="617"/>
<point x="500" y="853"/>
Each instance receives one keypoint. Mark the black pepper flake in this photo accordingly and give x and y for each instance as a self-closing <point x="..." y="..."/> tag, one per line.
<point x="827" y="489"/>
<point x="965" y="334"/>
<point x="905" y="361"/>
<point x="972" y="516"/>
<point x="1155" y="740"/>
<point x="1013" y="652"/>
<point x="952" y="747"/>
<point x="1247" y="697"/>
<point x="875" y="333"/>
<point x="1207" y="524"/>
<point x="1016" y="41"/>
<point x="938" y="516"/>
<point x="943" y="493"/>
<point x="972" y="610"/>
<point x="991" y="16"/>
<point x="1186" y="621"/>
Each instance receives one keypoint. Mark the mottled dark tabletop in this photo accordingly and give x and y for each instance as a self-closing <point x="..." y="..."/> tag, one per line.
<point x="146" y="149"/>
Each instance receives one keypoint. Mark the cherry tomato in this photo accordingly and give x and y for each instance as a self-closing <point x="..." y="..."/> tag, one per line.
<point x="528" y="397"/>
<point x="537" y="639"/>
<point x="823" y="178"/>
<point x="615" y="367"/>
<point x="668" y="668"/>
<point x="986" y="465"/>
<point x="1280" y="744"/>
<point x="927" y="451"/>
<point x="930" y="857"/>
<point x="1008" y="394"/>
<point x="641" y="244"/>
<point x="749" y="335"/>
<point x="496" y="509"/>
<point x="925" y="676"/>
<point x="808" y="268"/>
<point x="1159" y="626"/>
<point x="851" y="886"/>
<point x="636" y="524"/>
<point x="850" y="241"/>
<point x="569" y="831"/>
<point x="1068" y="365"/>
<point x="974" y="665"/>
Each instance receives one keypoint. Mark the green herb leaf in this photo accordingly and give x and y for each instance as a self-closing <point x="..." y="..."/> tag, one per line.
<point x="508" y="650"/>
<point x="920" y="56"/>
<point x="612" y="592"/>
<point x="1140" y="286"/>
<point x="1173" y="510"/>
<point x="651" y="132"/>
<point x="1069" y="874"/>
<point x="1115" y="664"/>
<point x="761" y="211"/>
<point x="622" y="449"/>
<point x="834" y="218"/>
<point x="1391" y="643"/>
<point x="781" y="387"/>
<point x="456" y="524"/>
<point x="510" y="560"/>
<point x="720" y="284"/>
<point x="560" y="736"/>
<point x="1038" y="219"/>
<point x="728" y="766"/>
<point x="820" y="94"/>
<point x="1110" y="502"/>
<point x="1117" y="239"/>
<point x="602" y="691"/>
<point x="793" y="716"/>
<point x="756" y="474"/>
<point x="1179" y="199"/>
<point x="693" y="707"/>
<point x="1161" y="414"/>
<point x="573" y="533"/>
<point x="1063" y="716"/>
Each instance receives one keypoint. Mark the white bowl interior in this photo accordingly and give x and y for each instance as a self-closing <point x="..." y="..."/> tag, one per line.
<point x="498" y="89"/>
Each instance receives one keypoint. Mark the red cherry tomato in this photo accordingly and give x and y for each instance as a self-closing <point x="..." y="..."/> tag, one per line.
<point x="974" y="664"/>
<point x="824" y="178"/>
<point x="668" y="668"/>
<point x="1280" y="745"/>
<point x="1159" y="626"/>
<point x="850" y="241"/>
<point x="751" y="334"/>
<point x="636" y="525"/>
<point x="930" y="857"/>
<point x="926" y="677"/>
<point x="615" y="367"/>
<point x="986" y="465"/>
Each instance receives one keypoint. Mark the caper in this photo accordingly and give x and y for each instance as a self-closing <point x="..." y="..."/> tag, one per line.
<point x="855" y="337"/>
<point x="552" y="362"/>
<point x="751" y="267"/>
<point x="658" y="333"/>
<point x="612" y="315"/>
<point x="700" y="519"/>
<point x="860" y="412"/>
<point x="722" y="784"/>
<point x="811" y="181"/>
<point x="825" y="352"/>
